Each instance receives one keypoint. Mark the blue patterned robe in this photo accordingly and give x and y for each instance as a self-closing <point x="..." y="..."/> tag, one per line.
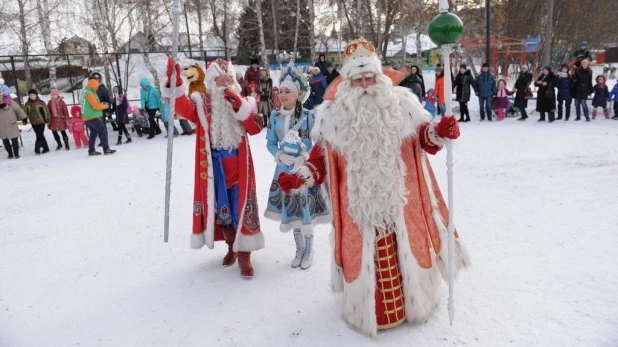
<point x="304" y="209"/>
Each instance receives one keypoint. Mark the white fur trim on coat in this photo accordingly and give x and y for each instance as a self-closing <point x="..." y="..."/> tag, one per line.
<point x="248" y="243"/>
<point x="434" y="137"/>
<point x="197" y="240"/>
<point x="336" y="271"/>
<point x="210" y="226"/>
<point x="246" y="109"/>
<point x="356" y="66"/>
<point x="167" y="91"/>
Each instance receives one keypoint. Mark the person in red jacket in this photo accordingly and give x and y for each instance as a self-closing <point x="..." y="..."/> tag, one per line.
<point x="253" y="73"/>
<point x="59" y="118"/>
<point x="225" y="198"/>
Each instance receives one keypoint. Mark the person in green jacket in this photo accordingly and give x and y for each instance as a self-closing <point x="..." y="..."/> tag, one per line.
<point x="92" y="111"/>
<point x="38" y="115"/>
<point x="151" y="102"/>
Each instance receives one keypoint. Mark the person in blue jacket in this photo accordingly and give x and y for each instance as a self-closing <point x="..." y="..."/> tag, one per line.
<point x="486" y="83"/>
<point x="614" y="95"/>
<point x="318" y="86"/>
<point x="151" y="102"/>
<point x="564" y="92"/>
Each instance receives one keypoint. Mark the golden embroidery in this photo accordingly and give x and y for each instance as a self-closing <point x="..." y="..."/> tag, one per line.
<point x="203" y="151"/>
<point x="204" y="163"/>
<point x="204" y="175"/>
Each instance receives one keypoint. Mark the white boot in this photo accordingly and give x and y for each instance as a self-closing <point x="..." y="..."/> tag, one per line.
<point x="308" y="253"/>
<point x="300" y="248"/>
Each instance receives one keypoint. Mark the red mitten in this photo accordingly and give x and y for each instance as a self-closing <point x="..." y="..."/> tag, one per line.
<point x="170" y="67"/>
<point x="233" y="99"/>
<point x="448" y="128"/>
<point x="287" y="182"/>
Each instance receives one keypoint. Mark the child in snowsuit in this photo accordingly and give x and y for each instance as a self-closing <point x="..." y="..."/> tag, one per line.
<point x="140" y="121"/>
<point x="430" y="103"/>
<point x="77" y="127"/>
<point x="614" y="95"/>
<point x="5" y="93"/>
<point x="502" y="98"/>
<point x="601" y="94"/>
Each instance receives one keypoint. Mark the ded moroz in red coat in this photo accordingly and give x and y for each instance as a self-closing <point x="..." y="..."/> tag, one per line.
<point x="205" y="229"/>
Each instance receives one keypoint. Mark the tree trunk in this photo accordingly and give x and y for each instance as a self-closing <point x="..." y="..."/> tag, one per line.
<point x="228" y="53"/>
<point x="419" y="49"/>
<point x="258" y="12"/>
<point x="379" y="24"/>
<point x="548" y="34"/>
<point x="148" y="32"/>
<point x="296" y="29"/>
<point x="42" y="7"/>
<point x="311" y="29"/>
<point x="359" y="18"/>
<point x="275" y="34"/>
<point x="198" y="10"/>
<point x="24" y="43"/>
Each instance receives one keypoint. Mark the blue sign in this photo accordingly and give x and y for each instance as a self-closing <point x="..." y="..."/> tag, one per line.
<point x="531" y="44"/>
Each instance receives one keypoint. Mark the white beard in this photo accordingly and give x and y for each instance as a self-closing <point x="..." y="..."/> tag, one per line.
<point x="226" y="132"/>
<point x="368" y="134"/>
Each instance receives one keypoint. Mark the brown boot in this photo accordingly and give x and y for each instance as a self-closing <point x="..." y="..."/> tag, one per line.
<point x="230" y="257"/>
<point x="244" y="261"/>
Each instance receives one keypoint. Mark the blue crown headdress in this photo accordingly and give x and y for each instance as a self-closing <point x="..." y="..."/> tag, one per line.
<point x="297" y="78"/>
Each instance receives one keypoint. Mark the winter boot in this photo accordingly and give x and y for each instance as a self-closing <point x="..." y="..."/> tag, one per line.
<point x="109" y="151"/>
<point x="230" y="257"/>
<point x="594" y="114"/>
<point x="606" y="113"/>
<point x="94" y="153"/>
<point x="128" y="139"/>
<point x="119" y="142"/>
<point x="66" y="143"/>
<point x="244" y="261"/>
<point x="300" y="248"/>
<point x="308" y="254"/>
<point x="59" y="147"/>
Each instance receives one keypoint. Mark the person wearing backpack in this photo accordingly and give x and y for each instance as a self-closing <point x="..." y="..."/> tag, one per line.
<point x="121" y="108"/>
<point x="92" y="113"/>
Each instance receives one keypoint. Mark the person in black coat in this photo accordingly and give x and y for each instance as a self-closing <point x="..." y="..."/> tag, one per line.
<point x="463" y="82"/>
<point x="564" y="92"/>
<point x="522" y="86"/>
<point x="546" y="95"/>
<point x="414" y="69"/>
<point x="412" y="81"/>
<point x="321" y="64"/>
<point x="581" y="88"/>
<point x="331" y="73"/>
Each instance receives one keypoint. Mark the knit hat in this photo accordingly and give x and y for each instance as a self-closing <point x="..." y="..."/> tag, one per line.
<point x="430" y="91"/>
<point x="294" y="80"/>
<point x="547" y="67"/>
<point x="564" y="66"/>
<point x="95" y="75"/>
<point x="1" y="81"/>
<point x="583" y="44"/>
<point x="360" y="57"/>
<point x="463" y="66"/>
<point x="255" y="61"/>
<point x="55" y="92"/>
<point x="33" y="91"/>
<point x="485" y="65"/>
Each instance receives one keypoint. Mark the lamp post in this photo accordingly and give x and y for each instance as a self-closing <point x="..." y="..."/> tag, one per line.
<point x="445" y="30"/>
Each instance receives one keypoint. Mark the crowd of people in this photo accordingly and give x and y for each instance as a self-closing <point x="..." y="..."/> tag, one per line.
<point x="97" y="106"/>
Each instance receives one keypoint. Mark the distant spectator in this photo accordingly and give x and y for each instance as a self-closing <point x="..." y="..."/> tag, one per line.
<point x="564" y="93"/>
<point x="440" y="91"/>
<point x="103" y="94"/>
<point x="582" y="54"/>
<point x="276" y="100"/>
<point x="331" y="73"/>
<point x="58" y="118"/>
<point x="121" y="109"/>
<point x="321" y="64"/>
<point x="486" y="83"/>
<point x="265" y="88"/>
<point x="244" y="85"/>
<point x="522" y="91"/>
<point x="77" y="127"/>
<point x="582" y="88"/>
<point x="140" y="121"/>
<point x="414" y="69"/>
<point x="601" y="94"/>
<point x="430" y="103"/>
<point x="318" y="86"/>
<point x="411" y="81"/>
<point x="9" y="131"/>
<point x="38" y="115"/>
<point x="92" y="113"/>
<point x="464" y="83"/>
<point x="546" y="95"/>
<point x="253" y="73"/>
<point x="165" y="117"/>
<point x="151" y="102"/>
<point x="614" y="95"/>
<point x="5" y="93"/>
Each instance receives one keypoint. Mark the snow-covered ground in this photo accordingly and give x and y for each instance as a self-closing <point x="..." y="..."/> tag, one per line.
<point x="83" y="262"/>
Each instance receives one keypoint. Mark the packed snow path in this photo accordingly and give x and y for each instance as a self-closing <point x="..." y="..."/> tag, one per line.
<point x="83" y="263"/>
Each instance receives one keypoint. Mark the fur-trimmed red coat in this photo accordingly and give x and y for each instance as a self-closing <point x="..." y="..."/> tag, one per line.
<point x="205" y="229"/>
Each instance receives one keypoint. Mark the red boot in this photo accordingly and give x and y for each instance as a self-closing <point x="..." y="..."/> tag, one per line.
<point x="606" y="113"/>
<point x="244" y="261"/>
<point x="230" y="257"/>
<point x="594" y="114"/>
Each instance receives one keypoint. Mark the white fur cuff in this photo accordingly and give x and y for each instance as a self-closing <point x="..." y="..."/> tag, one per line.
<point x="167" y="91"/>
<point x="197" y="240"/>
<point x="245" y="110"/>
<point x="434" y="138"/>
<point x="304" y="173"/>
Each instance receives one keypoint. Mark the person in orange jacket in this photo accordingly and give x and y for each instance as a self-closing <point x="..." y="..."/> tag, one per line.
<point x="92" y="111"/>
<point x="440" y="91"/>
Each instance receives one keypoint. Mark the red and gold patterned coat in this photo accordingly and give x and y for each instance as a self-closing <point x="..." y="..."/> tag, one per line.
<point x="205" y="229"/>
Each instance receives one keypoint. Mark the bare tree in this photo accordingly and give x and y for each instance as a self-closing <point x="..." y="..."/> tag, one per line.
<point x="43" y="12"/>
<point x="275" y="33"/>
<point x="548" y="37"/>
<point x="199" y="7"/>
<point x="297" y="29"/>
<point x="25" y="29"/>
<point x="258" y="13"/>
